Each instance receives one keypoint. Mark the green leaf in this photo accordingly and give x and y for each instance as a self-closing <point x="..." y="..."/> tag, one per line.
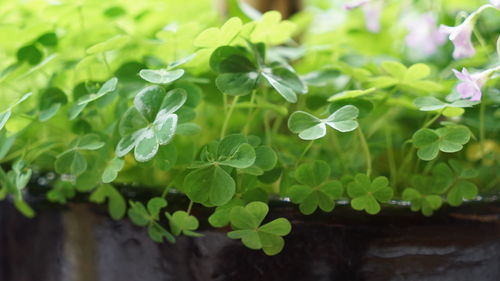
<point x="117" y="42"/>
<point x="88" y="142"/>
<point x="220" y="217"/>
<point x="157" y="233"/>
<point x="429" y="103"/>
<point x="161" y="76"/>
<point x="182" y="222"/>
<point x="30" y="54"/>
<point x="460" y="191"/>
<point x="6" y="143"/>
<point x="111" y="171"/>
<point x="116" y="203"/>
<point x="24" y="208"/>
<point x="310" y="128"/>
<point x="213" y="37"/>
<point x="51" y="100"/>
<point x="243" y="157"/>
<point x="61" y="191"/>
<point x="155" y="205"/>
<point x="166" y="157"/>
<point x="367" y="194"/>
<point x="270" y="29"/>
<point x="210" y="185"/>
<point x="417" y="72"/>
<point x="149" y="100"/>
<point x="237" y="84"/>
<point x="246" y="220"/>
<point x="108" y="87"/>
<point x="146" y="145"/>
<point x="427" y="142"/>
<point x="281" y="86"/>
<point x="313" y="173"/>
<point x="4" y="116"/>
<point x="138" y="214"/>
<point x="395" y="69"/>
<point x="71" y="162"/>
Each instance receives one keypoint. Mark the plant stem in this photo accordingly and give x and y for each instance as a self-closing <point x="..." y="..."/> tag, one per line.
<point x="251" y="114"/>
<point x="190" y="206"/>
<point x="482" y="109"/>
<point x="390" y="156"/>
<point x="165" y="191"/>
<point x="366" y="151"/>
<point x="228" y="116"/>
<point x="304" y="152"/>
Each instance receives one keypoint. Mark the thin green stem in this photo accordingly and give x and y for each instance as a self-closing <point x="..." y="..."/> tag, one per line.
<point x="366" y="151"/>
<point x="304" y="152"/>
<point x="190" y="206"/>
<point x="228" y="116"/>
<point x="390" y="156"/>
<point x="251" y="113"/>
<point x="165" y="191"/>
<point x="482" y="134"/>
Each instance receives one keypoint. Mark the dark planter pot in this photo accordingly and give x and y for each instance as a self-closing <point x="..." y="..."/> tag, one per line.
<point x="81" y="243"/>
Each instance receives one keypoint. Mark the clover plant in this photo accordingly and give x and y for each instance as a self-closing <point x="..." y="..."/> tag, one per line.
<point x="132" y="106"/>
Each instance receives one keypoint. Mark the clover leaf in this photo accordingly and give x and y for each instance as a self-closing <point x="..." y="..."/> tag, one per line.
<point x="271" y="30"/>
<point x="112" y="169"/>
<point x="13" y="183"/>
<point x="455" y="181"/>
<point x="450" y="109"/>
<point x="426" y="203"/>
<point x="240" y="72"/>
<point x="412" y="77"/>
<point x="182" y="222"/>
<point x="247" y="222"/>
<point x="265" y="160"/>
<point x="149" y="217"/>
<point x="61" y="192"/>
<point x="315" y="189"/>
<point x="309" y="127"/>
<point x="150" y="123"/>
<point x="82" y="102"/>
<point x="51" y="100"/>
<point x="367" y="194"/>
<point x="448" y="139"/>
<point x="71" y="161"/>
<point x="209" y="182"/>
<point x="221" y="216"/>
<point x="116" y="202"/>
<point x="5" y="115"/>
<point x="214" y="37"/>
<point x="424" y="195"/>
<point x="166" y="75"/>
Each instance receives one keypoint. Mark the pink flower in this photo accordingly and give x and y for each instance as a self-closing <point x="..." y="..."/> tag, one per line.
<point x="470" y="85"/>
<point x="424" y="34"/>
<point x="460" y="36"/>
<point x="372" y="10"/>
<point x="495" y="3"/>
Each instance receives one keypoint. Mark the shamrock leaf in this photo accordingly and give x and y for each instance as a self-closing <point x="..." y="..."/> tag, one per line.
<point x="448" y="139"/>
<point x="285" y="81"/>
<point x="454" y="108"/>
<point x="72" y="162"/>
<point x="315" y="191"/>
<point x="424" y="195"/>
<point x="310" y="127"/>
<point x="233" y="151"/>
<point x="411" y="78"/>
<point x="265" y="160"/>
<point x="13" y="183"/>
<point x="238" y="76"/>
<point x="61" y="192"/>
<point x="50" y="101"/>
<point x="214" y="37"/>
<point x="116" y="202"/>
<point x="210" y="184"/>
<point x="426" y="203"/>
<point x="5" y="115"/>
<point x="30" y="54"/>
<point x="111" y="171"/>
<point x="221" y="215"/>
<point x="166" y="75"/>
<point x="270" y="29"/>
<point x="182" y="222"/>
<point x="247" y="224"/>
<point x="150" y="123"/>
<point x="367" y="194"/>
<point x="149" y="217"/>
<point x="82" y="102"/>
<point x="113" y="43"/>
<point x="454" y="180"/>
